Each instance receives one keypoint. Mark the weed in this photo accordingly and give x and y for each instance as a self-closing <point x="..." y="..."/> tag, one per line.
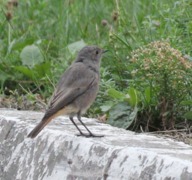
<point x="37" y="38"/>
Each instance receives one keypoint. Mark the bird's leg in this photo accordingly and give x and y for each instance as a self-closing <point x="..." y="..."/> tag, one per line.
<point x="81" y="133"/>
<point x="90" y="133"/>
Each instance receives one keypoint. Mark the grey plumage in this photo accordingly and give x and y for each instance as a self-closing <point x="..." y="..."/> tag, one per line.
<point x="76" y="90"/>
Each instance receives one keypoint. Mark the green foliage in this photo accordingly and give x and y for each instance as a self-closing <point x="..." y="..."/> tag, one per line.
<point x="160" y="87"/>
<point x="116" y="94"/>
<point x="159" y="79"/>
<point x="35" y="73"/>
<point x="122" y="115"/>
<point x="161" y="70"/>
<point x="39" y="39"/>
<point x="76" y="46"/>
<point x="188" y="115"/>
<point x="31" y="55"/>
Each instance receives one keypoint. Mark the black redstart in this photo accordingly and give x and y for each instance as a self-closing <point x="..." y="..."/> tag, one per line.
<point x="76" y="90"/>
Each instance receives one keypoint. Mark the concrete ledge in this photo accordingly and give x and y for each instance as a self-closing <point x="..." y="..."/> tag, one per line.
<point x="57" y="154"/>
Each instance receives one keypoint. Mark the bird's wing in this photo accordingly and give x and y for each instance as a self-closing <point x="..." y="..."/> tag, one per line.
<point x="74" y="82"/>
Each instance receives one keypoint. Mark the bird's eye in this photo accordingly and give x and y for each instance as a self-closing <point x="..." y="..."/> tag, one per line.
<point x="97" y="52"/>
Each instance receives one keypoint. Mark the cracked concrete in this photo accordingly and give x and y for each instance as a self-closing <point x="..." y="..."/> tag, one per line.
<point x="57" y="153"/>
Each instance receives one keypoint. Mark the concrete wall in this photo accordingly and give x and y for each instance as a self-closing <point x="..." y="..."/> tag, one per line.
<point x="58" y="154"/>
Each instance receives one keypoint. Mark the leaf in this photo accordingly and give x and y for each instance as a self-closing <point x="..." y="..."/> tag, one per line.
<point x="11" y="45"/>
<point x="122" y="115"/>
<point x="148" y="94"/>
<point x="3" y="76"/>
<point x="26" y="71"/>
<point x="115" y="94"/>
<point x="76" y="46"/>
<point x="133" y="100"/>
<point x="38" y="72"/>
<point x="42" y="69"/>
<point x="188" y="115"/>
<point x="31" y="55"/>
<point x="186" y="103"/>
<point x="21" y="43"/>
<point x="107" y="107"/>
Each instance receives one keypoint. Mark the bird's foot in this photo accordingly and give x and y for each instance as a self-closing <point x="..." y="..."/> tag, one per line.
<point x="90" y="135"/>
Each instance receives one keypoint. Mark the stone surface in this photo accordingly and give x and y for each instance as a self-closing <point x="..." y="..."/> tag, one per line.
<point x="58" y="154"/>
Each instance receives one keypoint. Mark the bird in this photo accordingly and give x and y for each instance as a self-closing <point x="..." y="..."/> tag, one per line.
<point x="75" y="91"/>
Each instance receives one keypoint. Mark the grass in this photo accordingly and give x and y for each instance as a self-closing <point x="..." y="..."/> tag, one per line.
<point x="52" y="26"/>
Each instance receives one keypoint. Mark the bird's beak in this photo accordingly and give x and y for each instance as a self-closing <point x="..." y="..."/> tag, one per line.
<point x="104" y="51"/>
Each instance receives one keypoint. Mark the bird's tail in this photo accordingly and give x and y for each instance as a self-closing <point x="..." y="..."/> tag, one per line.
<point x="39" y="127"/>
<point x="49" y="115"/>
